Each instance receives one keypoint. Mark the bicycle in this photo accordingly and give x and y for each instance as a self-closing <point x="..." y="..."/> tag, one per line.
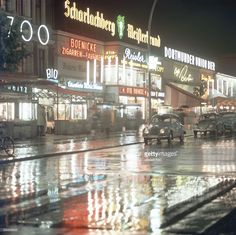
<point x="6" y="142"/>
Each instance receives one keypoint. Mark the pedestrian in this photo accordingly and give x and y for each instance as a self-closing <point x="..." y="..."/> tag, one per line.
<point x="94" y="124"/>
<point x="106" y="122"/>
<point x="138" y="117"/>
<point x="41" y="120"/>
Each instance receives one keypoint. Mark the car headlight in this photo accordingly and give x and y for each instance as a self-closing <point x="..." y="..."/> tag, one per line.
<point x="162" y="131"/>
<point x="145" y="131"/>
<point x="212" y="126"/>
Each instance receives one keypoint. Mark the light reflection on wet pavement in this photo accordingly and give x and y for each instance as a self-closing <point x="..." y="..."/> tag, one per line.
<point x="72" y="145"/>
<point x="127" y="188"/>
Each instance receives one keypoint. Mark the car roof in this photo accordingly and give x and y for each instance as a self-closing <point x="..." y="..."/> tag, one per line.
<point x="222" y="113"/>
<point x="209" y="114"/>
<point x="166" y="115"/>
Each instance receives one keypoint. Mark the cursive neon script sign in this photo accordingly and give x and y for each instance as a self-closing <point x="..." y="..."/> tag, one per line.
<point x="98" y="21"/>
<point x="183" y="74"/>
<point x="137" y="57"/>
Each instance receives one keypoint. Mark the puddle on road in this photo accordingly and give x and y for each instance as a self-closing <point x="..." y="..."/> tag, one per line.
<point x="129" y="203"/>
<point x="110" y="189"/>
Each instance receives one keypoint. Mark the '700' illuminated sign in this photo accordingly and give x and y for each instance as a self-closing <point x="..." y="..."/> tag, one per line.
<point x="27" y="26"/>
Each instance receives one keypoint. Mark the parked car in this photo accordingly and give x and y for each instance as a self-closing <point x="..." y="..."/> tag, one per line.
<point x="229" y="120"/>
<point x="166" y="126"/>
<point x="211" y="123"/>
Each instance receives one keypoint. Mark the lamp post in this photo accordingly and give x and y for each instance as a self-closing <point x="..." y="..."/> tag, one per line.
<point x="149" y="74"/>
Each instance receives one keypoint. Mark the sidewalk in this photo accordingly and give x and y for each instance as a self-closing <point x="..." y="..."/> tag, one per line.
<point x="55" y="145"/>
<point x="54" y="138"/>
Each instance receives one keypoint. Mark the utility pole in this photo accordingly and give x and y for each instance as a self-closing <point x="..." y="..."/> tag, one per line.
<point x="149" y="74"/>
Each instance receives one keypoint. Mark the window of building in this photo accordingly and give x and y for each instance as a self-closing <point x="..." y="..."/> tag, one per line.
<point x="27" y="111"/>
<point x="62" y="112"/>
<point x="78" y="111"/>
<point x="7" y="111"/>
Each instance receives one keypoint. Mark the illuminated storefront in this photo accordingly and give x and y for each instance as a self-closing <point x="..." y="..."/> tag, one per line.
<point x="125" y="74"/>
<point x="17" y="111"/>
<point x="188" y="79"/>
<point x="222" y="92"/>
<point x="79" y="61"/>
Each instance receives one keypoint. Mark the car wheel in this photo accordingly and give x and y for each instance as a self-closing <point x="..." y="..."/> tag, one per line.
<point x="146" y="141"/>
<point x="170" y="137"/>
<point x="223" y="131"/>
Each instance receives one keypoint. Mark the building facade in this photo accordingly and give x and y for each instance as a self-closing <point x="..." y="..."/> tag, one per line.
<point x="84" y="62"/>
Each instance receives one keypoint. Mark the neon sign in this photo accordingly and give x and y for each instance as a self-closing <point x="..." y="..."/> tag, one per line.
<point x="120" y="20"/>
<point x="133" y="91"/>
<point x="86" y="17"/>
<point x="183" y="74"/>
<point x="52" y="75"/>
<point x="26" y="26"/>
<point x="139" y="36"/>
<point x="81" y="49"/>
<point x="189" y="59"/>
<point x="137" y="57"/>
<point x="83" y="45"/>
<point x="84" y="85"/>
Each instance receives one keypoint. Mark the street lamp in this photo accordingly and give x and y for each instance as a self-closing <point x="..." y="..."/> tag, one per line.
<point x="149" y="74"/>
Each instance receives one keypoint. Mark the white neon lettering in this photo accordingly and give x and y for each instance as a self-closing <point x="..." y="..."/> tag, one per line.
<point x="31" y="30"/>
<point x="39" y="35"/>
<point x="11" y="23"/>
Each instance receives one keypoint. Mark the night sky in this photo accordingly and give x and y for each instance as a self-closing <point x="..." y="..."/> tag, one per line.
<point x="204" y="28"/>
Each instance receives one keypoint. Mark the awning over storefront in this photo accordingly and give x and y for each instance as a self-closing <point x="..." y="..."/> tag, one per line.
<point x="177" y="96"/>
<point x="53" y="88"/>
<point x="223" y="101"/>
<point x="62" y="90"/>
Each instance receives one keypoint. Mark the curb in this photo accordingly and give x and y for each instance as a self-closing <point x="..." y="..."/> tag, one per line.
<point x="63" y="153"/>
<point x="6" y="161"/>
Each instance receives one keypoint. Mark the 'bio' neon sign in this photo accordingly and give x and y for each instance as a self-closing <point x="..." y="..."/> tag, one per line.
<point x="27" y="26"/>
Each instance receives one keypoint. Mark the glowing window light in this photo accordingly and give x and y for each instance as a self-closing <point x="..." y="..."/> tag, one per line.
<point x="94" y="71"/>
<point x="109" y="69"/>
<point x="116" y="70"/>
<point x="131" y="72"/>
<point x="123" y="71"/>
<point x="222" y="86"/>
<point x="102" y="69"/>
<point x="88" y="71"/>
<point x="227" y="88"/>
<point x="232" y="88"/>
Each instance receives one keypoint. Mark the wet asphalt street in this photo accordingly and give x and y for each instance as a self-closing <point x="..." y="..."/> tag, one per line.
<point x="117" y="185"/>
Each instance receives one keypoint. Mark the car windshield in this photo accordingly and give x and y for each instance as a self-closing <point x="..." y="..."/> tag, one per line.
<point x="208" y="117"/>
<point x="229" y="115"/>
<point x="160" y="119"/>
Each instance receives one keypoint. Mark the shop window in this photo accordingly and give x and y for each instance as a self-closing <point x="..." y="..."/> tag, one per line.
<point x="78" y="111"/>
<point x="7" y="111"/>
<point x="63" y="111"/>
<point x="27" y="111"/>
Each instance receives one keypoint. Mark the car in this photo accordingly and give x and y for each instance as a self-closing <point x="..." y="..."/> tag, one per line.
<point x="165" y="126"/>
<point x="209" y="123"/>
<point x="229" y="120"/>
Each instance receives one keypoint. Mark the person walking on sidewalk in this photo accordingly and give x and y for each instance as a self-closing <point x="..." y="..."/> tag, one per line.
<point x="106" y="122"/>
<point x="41" y="120"/>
